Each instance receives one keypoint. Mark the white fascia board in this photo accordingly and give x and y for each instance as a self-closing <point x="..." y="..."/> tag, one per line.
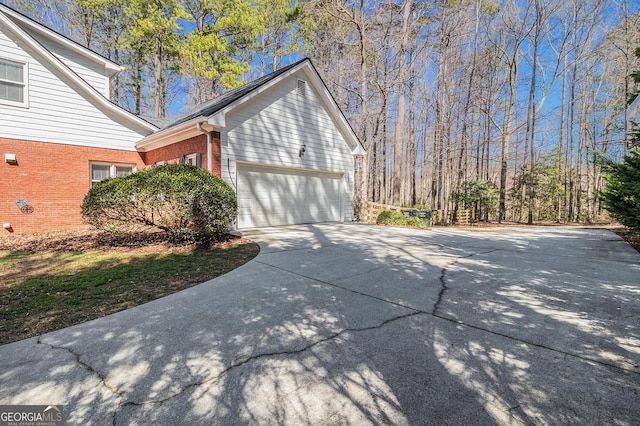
<point x="77" y="80"/>
<point x="162" y="138"/>
<point x="359" y="150"/>
<point x="220" y="115"/>
<point x="111" y="67"/>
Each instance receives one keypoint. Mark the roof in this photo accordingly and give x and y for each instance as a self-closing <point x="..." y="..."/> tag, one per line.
<point x="185" y="124"/>
<point x="211" y="107"/>
<point x="18" y="24"/>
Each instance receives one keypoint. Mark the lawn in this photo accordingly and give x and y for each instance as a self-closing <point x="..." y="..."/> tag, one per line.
<point x="56" y="280"/>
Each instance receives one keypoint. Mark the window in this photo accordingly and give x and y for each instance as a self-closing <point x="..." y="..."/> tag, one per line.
<point x="13" y="83"/>
<point x="102" y="171"/>
<point x="193" y="159"/>
<point x="123" y="171"/>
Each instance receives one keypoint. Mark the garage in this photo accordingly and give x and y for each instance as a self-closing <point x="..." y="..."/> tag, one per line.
<point x="281" y="142"/>
<point x="269" y="196"/>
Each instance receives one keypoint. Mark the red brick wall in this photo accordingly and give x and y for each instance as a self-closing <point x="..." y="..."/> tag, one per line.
<point x="53" y="178"/>
<point x="194" y="145"/>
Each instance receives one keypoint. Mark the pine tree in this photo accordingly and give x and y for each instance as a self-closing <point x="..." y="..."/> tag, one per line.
<point x="622" y="192"/>
<point x="211" y="52"/>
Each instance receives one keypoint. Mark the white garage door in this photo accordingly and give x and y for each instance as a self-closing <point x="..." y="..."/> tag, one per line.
<point x="270" y="197"/>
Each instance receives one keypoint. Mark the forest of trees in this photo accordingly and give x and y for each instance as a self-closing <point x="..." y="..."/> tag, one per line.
<point x="522" y="97"/>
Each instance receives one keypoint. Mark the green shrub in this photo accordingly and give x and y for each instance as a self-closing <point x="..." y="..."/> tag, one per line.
<point x="183" y="200"/>
<point x="415" y="222"/>
<point x="394" y="217"/>
<point x="390" y="217"/>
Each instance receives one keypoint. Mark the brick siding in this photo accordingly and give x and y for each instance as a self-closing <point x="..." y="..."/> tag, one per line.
<point x="53" y="179"/>
<point x="195" y="145"/>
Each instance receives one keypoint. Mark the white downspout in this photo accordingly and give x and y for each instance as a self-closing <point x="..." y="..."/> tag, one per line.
<point x="209" y="146"/>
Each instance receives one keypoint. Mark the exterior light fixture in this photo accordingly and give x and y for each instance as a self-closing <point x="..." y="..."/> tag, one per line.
<point x="303" y="148"/>
<point x="10" y="158"/>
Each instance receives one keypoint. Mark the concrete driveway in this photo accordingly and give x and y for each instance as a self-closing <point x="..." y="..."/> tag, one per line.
<point x="357" y="324"/>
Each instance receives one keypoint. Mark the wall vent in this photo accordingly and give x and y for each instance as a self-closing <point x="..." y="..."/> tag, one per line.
<point x="302" y="88"/>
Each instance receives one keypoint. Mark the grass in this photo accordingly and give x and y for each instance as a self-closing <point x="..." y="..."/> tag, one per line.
<point x="44" y="291"/>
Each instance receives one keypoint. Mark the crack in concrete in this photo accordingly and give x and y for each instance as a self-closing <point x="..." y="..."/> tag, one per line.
<point x="413" y="312"/>
<point x="444" y="288"/>
<point x="90" y="369"/>
<point x="435" y="314"/>
<point x="443" y="278"/>
<point x="264" y="355"/>
<point x="359" y="293"/>
<point x="534" y="344"/>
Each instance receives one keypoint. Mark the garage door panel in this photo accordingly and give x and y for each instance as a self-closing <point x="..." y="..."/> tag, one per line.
<point x="269" y="197"/>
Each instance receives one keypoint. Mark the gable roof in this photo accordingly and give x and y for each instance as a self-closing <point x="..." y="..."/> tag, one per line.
<point x="214" y="105"/>
<point x="213" y="111"/>
<point x="19" y="25"/>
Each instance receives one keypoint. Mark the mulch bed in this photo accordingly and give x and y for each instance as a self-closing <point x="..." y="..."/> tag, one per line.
<point x="82" y="240"/>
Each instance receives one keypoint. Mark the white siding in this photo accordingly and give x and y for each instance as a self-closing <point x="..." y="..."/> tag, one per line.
<point x="90" y="71"/>
<point x="270" y="128"/>
<point x="57" y="112"/>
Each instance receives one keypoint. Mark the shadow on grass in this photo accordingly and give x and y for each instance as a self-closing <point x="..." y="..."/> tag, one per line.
<point x="46" y="291"/>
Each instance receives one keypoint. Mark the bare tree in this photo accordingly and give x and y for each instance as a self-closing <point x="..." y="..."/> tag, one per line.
<point x="400" y="137"/>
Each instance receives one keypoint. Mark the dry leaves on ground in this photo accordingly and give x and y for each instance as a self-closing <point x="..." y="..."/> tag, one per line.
<point x="149" y="241"/>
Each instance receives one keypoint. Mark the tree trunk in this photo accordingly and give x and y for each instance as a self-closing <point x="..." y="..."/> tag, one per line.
<point x="532" y="103"/>
<point x="399" y="136"/>
<point x="158" y="74"/>
<point x="412" y="131"/>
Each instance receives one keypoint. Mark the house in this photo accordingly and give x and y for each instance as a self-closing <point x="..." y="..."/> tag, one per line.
<point x="280" y="141"/>
<point x="58" y="129"/>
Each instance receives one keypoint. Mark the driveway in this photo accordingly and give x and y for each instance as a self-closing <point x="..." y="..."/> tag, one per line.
<point x="358" y="324"/>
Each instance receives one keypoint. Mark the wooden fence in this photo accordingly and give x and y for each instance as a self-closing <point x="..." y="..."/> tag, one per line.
<point x="372" y="211"/>
<point x="459" y="217"/>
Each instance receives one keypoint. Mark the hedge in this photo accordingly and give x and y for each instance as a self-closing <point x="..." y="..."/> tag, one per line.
<point x="180" y="199"/>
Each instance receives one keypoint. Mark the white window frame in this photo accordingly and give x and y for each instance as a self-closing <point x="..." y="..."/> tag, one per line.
<point x="24" y="84"/>
<point x="112" y="169"/>
<point x="191" y="159"/>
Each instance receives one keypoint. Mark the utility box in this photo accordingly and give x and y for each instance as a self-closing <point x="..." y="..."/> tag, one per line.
<point x="410" y="213"/>
<point x="425" y="215"/>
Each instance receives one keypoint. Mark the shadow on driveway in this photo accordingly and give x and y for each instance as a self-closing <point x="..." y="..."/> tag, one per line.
<point x="356" y="324"/>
